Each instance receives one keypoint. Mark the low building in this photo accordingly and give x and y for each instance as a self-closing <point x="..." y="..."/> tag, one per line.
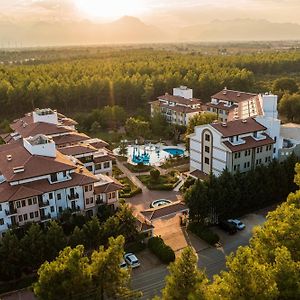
<point x="290" y="133"/>
<point x="179" y="107"/>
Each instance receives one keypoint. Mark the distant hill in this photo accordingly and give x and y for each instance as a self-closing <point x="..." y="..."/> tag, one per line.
<point x="125" y="30"/>
<point x="133" y="30"/>
<point x="240" y="30"/>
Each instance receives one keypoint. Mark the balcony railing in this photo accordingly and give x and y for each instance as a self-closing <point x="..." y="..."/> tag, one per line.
<point x="73" y="196"/>
<point x="74" y="209"/>
<point x="10" y="211"/>
<point x="44" y="203"/>
<point x="46" y="217"/>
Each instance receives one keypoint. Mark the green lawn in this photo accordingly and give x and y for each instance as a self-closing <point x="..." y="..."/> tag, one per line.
<point x="130" y="189"/>
<point x="138" y="168"/>
<point x="116" y="171"/>
<point x="164" y="182"/>
<point x="174" y="162"/>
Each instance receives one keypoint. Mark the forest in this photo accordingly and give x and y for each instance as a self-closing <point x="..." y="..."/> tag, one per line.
<point x="132" y="77"/>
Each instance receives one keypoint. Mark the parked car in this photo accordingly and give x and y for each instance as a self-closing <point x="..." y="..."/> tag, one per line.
<point x="123" y="264"/>
<point x="131" y="260"/>
<point x="228" y="227"/>
<point x="237" y="223"/>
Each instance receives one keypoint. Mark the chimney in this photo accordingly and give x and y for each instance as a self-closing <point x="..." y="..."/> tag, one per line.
<point x="224" y="124"/>
<point x="9" y="157"/>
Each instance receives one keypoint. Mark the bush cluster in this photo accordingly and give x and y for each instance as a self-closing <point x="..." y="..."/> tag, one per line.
<point x="164" y="252"/>
<point x="204" y="233"/>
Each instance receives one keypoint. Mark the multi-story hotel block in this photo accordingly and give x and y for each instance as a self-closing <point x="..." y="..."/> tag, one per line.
<point x="247" y="134"/>
<point x="91" y="152"/>
<point x="179" y="107"/>
<point x="40" y="179"/>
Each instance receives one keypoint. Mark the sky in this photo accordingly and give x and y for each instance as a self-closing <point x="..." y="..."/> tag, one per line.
<point x="158" y="12"/>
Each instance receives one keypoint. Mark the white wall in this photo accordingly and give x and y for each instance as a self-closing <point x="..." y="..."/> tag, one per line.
<point x="49" y="118"/>
<point x="183" y="92"/>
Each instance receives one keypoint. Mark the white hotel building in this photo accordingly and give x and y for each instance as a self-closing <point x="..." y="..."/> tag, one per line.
<point x="247" y="135"/>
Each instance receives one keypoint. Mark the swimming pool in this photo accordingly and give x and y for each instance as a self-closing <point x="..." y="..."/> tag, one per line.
<point x="174" y="151"/>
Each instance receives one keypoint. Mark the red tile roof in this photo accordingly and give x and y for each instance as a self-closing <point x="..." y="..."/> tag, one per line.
<point x="234" y="96"/>
<point x="164" y="211"/>
<point x="250" y="143"/>
<point x="72" y="137"/>
<point x="77" y="150"/>
<point x="39" y="187"/>
<point x="238" y="127"/>
<point x="103" y="158"/>
<point x="34" y="165"/>
<point x="180" y="100"/>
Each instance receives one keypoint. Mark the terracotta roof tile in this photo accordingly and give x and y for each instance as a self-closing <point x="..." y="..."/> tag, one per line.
<point x="250" y="143"/>
<point x="238" y="127"/>
<point x="77" y="150"/>
<point x="72" y="137"/>
<point x="234" y="96"/>
<point x="163" y="211"/>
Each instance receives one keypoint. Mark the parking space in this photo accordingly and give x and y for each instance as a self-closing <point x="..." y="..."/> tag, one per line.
<point x="147" y="260"/>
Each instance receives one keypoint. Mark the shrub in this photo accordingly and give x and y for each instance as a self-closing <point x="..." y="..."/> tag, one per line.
<point x="154" y="174"/>
<point x="204" y="233"/>
<point x="164" y="252"/>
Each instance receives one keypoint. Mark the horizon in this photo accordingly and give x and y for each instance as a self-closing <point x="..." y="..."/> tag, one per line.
<point x="47" y="22"/>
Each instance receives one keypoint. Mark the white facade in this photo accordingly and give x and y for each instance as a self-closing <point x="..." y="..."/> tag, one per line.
<point x="45" y="115"/>
<point x="40" y="145"/>
<point x="183" y="91"/>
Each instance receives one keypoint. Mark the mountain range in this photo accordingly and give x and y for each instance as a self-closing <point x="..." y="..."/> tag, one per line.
<point x="133" y="30"/>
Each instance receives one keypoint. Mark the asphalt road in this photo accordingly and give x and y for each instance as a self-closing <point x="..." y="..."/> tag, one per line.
<point x="211" y="259"/>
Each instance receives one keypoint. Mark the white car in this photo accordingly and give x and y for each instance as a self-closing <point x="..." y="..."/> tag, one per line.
<point x="131" y="260"/>
<point x="123" y="264"/>
<point x="237" y="223"/>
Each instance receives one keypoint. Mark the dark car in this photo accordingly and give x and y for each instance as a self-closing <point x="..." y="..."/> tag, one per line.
<point x="228" y="227"/>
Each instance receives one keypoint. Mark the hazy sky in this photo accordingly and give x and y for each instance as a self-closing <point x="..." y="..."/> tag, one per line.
<point x="157" y="12"/>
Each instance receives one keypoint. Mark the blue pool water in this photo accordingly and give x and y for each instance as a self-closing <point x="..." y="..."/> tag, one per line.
<point x="174" y="151"/>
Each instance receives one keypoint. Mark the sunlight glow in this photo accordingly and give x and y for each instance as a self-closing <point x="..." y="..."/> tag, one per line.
<point x="109" y="9"/>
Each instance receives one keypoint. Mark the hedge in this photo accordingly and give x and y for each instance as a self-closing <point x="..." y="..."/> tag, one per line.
<point x="204" y="232"/>
<point x="164" y="252"/>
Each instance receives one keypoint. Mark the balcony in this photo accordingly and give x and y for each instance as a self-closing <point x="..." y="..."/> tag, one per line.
<point x="46" y="217"/>
<point x="73" y="196"/>
<point x="75" y="209"/>
<point x="10" y="211"/>
<point x="44" y="203"/>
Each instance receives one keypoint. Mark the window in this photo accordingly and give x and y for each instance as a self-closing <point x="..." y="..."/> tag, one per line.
<point x="245" y="165"/>
<point x="20" y="218"/>
<point x="86" y="188"/>
<point x="52" y="208"/>
<point x="50" y="195"/>
<point x="207" y="137"/>
<point x="25" y="217"/>
<point x="0" y="207"/>
<point x="114" y="194"/>
<point x="18" y="204"/>
<point x="65" y="173"/>
<point x="87" y="201"/>
<point x="255" y="134"/>
<point x="90" y="187"/>
<point x="275" y="138"/>
<point x="31" y="215"/>
<point x="34" y="200"/>
<point x="206" y="149"/>
<point x="90" y="168"/>
<point x="1" y="221"/>
<point x="206" y="160"/>
<point x="247" y="152"/>
<point x="234" y="168"/>
<point x="109" y="196"/>
<point x="60" y="209"/>
<point x="29" y="201"/>
<point x="248" y="164"/>
<point x="106" y="165"/>
<point x="58" y="196"/>
<point x="98" y="166"/>
<point x="23" y="203"/>
<point x="53" y="177"/>
<point x="237" y="155"/>
<point x="274" y="150"/>
<point x="36" y="214"/>
<point x="91" y="200"/>
<point x="231" y="139"/>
